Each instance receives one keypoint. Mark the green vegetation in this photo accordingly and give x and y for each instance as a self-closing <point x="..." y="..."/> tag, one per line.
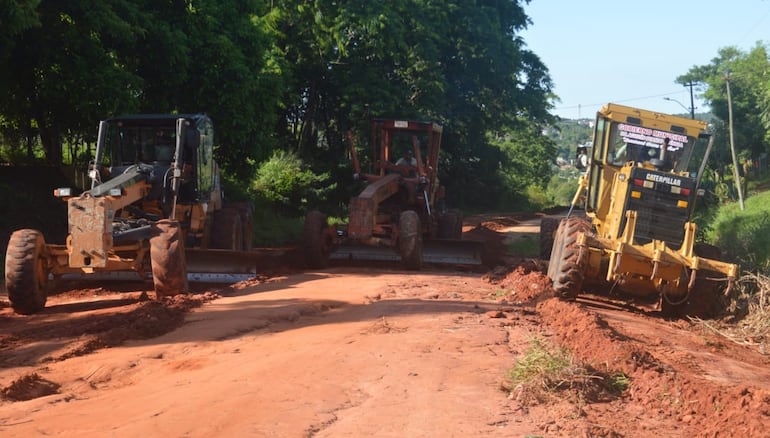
<point x="275" y="229"/>
<point x="286" y="182"/>
<point x="527" y="245"/>
<point x="744" y="236"/>
<point x="289" y="77"/>
<point x="542" y="366"/>
<point x="543" y="370"/>
<point x="286" y="81"/>
<point x="568" y="134"/>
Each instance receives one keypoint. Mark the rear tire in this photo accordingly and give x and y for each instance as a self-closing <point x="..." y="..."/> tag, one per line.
<point x="451" y="225"/>
<point x="318" y="243"/>
<point x="410" y="240"/>
<point x="227" y="230"/>
<point x="565" y="268"/>
<point x="167" y="258"/>
<point x="26" y="271"/>
<point x="246" y="211"/>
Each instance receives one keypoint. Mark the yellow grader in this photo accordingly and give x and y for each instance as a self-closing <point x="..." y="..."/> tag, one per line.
<point x="636" y="236"/>
<point x="155" y="205"/>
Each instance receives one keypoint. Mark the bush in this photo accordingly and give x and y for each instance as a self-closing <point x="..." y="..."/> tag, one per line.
<point x="744" y="235"/>
<point x="562" y="187"/>
<point x="286" y="182"/>
<point x="271" y="228"/>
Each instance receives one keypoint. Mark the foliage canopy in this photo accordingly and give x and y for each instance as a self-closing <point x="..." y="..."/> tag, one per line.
<point x="293" y="75"/>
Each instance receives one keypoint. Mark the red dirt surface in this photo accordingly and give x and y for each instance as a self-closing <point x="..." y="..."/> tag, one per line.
<point x="370" y="350"/>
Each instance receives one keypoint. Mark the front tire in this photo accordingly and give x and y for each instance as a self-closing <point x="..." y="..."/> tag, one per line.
<point x="227" y="232"/>
<point x="566" y="267"/>
<point x="410" y="240"/>
<point x="451" y="225"/>
<point x="318" y="243"/>
<point x="169" y="265"/>
<point x="26" y="271"/>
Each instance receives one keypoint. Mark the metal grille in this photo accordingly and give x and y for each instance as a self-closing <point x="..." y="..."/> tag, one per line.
<point x="658" y="217"/>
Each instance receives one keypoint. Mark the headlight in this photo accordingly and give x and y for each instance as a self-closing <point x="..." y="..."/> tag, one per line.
<point x="62" y="192"/>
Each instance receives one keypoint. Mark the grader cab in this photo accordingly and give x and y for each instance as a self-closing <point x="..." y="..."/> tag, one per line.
<point x="637" y="236"/>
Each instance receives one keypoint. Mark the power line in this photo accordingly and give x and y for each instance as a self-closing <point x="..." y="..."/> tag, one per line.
<point x="753" y="28"/>
<point x="632" y="99"/>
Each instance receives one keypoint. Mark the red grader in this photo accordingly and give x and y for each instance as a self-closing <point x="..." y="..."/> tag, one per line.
<point x="155" y="205"/>
<point x="401" y="213"/>
<point x="637" y="237"/>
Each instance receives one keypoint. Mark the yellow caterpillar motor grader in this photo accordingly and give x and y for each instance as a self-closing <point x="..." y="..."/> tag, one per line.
<point x="639" y="193"/>
<point x="155" y="205"/>
<point x="400" y="214"/>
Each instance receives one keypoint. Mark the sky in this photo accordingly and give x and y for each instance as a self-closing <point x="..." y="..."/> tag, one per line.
<point x="600" y="51"/>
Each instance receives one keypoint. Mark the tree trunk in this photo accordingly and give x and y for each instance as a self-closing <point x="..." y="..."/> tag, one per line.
<point x="50" y="138"/>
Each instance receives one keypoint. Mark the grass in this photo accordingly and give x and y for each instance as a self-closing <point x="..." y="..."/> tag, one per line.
<point x="527" y="245"/>
<point x="543" y="371"/>
<point x="744" y="235"/>
<point x="540" y="365"/>
<point x="274" y="229"/>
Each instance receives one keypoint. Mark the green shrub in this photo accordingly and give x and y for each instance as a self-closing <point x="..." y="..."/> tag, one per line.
<point x="544" y="369"/>
<point x="562" y="187"/>
<point x="286" y="182"/>
<point x="273" y="228"/>
<point x="744" y="235"/>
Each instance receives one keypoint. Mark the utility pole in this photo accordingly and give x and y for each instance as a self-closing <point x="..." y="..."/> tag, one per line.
<point x="736" y="174"/>
<point x="692" y="101"/>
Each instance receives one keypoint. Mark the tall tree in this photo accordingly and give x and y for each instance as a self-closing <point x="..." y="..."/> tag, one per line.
<point x="236" y="76"/>
<point x="73" y="63"/>
<point x="460" y="63"/>
<point x="747" y="73"/>
<point x="66" y="72"/>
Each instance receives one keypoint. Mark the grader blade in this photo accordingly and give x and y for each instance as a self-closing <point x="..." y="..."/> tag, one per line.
<point x="452" y="252"/>
<point x="224" y="266"/>
<point x="455" y="252"/>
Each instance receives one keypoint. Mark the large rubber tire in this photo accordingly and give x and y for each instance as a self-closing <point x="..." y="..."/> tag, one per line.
<point x="410" y="240"/>
<point x="26" y="271"/>
<point x="167" y="258"/>
<point x="548" y="226"/>
<point x="567" y="263"/>
<point x="457" y="230"/>
<point x="246" y="211"/>
<point x="227" y="230"/>
<point x="318" y="243"/>
<point x="450" y="225"/>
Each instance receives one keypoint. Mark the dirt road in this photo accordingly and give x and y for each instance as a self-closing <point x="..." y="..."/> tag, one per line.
<point x="369" y="351"/>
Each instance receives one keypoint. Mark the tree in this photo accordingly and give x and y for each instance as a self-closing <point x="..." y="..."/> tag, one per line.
<point x="749" y="89"/>
<point x="530" y="153"/>
<point x="65" y="73"/>
<point x="73" y="63"/>
<point x="294" y="74"/>
<point x="460" y="63"/>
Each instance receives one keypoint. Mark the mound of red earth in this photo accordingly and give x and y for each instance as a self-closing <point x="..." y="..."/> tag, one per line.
<point x="671" y="386"/>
